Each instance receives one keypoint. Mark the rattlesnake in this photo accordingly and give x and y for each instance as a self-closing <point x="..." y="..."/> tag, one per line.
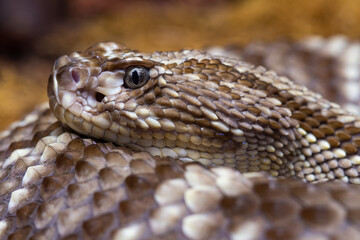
<point x="178" y="145"/>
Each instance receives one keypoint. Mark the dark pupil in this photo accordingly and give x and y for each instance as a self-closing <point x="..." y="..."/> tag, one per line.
<point x="135" y="77"/>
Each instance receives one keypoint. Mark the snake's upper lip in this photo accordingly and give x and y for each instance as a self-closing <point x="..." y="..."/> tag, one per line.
<point x="52" y="87"/>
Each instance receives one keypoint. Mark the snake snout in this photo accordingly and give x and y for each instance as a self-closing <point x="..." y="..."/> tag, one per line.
<point x="71" y="79"/>
<point x="65" y="83"/>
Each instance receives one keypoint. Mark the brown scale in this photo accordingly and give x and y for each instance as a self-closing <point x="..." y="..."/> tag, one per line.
<point x="23" y="215"/>
<point x="285" y="232"/>
<point x="322" y="217"/>
<point x="22" y="233"/>
<point x="99" y="226"/>
<point x="280" y="211"/>
<point x="109" y="178"/>
<point x="81" y="192"/>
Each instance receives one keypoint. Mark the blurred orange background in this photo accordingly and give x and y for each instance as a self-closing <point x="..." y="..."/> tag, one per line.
<point x="34" y="33"/>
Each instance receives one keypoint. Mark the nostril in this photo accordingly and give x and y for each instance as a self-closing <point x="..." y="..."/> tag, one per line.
<point x="99" y="96"/>
<point x="75" y="75"/>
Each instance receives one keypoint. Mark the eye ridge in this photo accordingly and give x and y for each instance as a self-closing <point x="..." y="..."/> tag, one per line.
<point x="136" y="77"/>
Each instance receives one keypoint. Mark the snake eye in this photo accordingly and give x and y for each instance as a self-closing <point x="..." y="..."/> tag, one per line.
<point x="136" y="76"/>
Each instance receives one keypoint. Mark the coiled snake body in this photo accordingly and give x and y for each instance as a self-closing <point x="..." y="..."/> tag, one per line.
<point x="178" y="143"/>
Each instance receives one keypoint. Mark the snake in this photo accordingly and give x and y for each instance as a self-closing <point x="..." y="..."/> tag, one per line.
<point x="178" y="145"/>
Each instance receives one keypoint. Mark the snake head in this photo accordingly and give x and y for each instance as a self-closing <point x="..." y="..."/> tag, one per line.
<point x="89" y="89"/>
<point x="188" y="104"/>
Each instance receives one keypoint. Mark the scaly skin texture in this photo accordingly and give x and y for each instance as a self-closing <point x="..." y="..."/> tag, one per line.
<point x="211" y="109"/>
<point x="135" y="178"/>
<point x="329" y="66"/>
